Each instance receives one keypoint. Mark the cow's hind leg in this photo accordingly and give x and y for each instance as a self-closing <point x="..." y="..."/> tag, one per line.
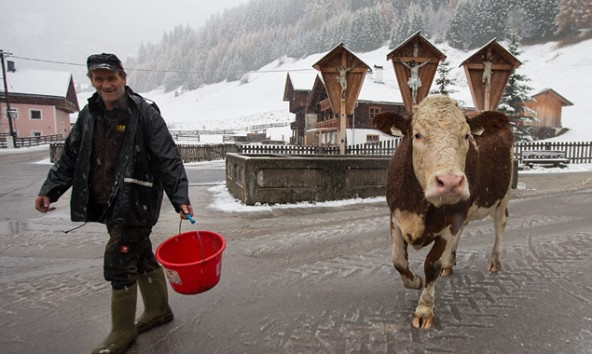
<point x="500" y="219"/>
<point x="401" y="261"/>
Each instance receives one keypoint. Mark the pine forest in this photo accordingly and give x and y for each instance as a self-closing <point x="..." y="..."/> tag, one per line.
<point x="256" y="33"/>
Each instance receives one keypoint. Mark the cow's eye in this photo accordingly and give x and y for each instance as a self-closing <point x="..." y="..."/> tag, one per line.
<point x="417" y="136"/>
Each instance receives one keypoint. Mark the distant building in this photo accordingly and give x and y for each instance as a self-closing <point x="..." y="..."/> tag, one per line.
<point x="297" y="91"/>
<point x="548" y="105"/>
<point x="42" y="102"/>
<point x="316" y="123"/>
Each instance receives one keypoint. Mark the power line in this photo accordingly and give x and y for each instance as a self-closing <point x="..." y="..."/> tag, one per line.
<point x="163" y="71"/>
<point x="47" y="61"/>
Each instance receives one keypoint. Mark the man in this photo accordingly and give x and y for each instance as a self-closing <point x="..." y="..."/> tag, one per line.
<point x="118" y="159"/>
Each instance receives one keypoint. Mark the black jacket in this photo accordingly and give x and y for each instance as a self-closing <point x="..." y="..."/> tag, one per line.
<point x="148" y="162"/>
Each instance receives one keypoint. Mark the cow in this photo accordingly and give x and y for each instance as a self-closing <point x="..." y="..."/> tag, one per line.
<point x="448" y="169"/>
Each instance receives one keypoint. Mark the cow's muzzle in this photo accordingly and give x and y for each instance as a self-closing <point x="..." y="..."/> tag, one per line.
<point x="447" y="189"/>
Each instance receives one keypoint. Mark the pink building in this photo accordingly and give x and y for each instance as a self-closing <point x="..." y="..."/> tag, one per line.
<point x="42" y="102"/>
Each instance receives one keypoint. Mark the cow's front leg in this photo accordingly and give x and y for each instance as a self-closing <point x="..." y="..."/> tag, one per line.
<point x="424" y="313"/>
<point x="500" y="219"/>
<point x="400" y="260"/>
<point x="449" y="260"/>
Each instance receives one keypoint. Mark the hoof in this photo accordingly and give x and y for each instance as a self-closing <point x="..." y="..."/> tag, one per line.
<point x="423" y="322"/>
<point x="494" y="266"/>
<point x="446" y="272"/>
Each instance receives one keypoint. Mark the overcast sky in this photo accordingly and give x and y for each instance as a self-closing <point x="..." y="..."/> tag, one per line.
<point x="70" y="30"/>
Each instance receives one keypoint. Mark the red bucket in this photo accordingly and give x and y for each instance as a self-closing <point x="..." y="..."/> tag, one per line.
<point x="183" y="261"/>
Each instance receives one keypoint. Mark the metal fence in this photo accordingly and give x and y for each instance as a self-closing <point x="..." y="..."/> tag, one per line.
<point x="30" y="140"/>
<point x="208" y="152"/>
<point x="287" y="149"/>
<point x="382" y="148"/>
<point x="576" y="152"/>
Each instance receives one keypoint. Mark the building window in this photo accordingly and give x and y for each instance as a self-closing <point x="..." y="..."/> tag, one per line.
<point x="372" y="139"/>
<point x="35" y="114"/>
<point x="373" y="112"/>
<point x="36" y="133"/>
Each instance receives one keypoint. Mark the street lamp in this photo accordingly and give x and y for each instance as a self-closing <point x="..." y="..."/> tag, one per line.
<point x="12" y="113"/>
<point x="12" y="116"/>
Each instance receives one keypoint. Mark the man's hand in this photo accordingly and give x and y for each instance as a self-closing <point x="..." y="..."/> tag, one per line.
<point x="42" y="204"/>
<point x="185" y="209"/>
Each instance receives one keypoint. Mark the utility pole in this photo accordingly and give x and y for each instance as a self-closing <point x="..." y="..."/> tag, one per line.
<point x="8" y="110"/>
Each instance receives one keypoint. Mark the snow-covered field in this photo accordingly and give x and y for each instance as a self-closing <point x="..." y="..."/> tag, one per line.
<point x="259" y="100"/>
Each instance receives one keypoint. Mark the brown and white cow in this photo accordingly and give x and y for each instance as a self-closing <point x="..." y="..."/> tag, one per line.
<point x="447" y="171"/>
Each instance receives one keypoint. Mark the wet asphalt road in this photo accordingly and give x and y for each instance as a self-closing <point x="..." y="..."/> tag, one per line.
<point x="306" y="280"/>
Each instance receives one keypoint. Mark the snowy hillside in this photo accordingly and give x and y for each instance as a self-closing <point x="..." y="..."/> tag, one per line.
<point x="257" y="99"/>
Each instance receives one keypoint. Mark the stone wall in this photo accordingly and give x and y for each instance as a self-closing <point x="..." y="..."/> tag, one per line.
<point x="271" y="179"/>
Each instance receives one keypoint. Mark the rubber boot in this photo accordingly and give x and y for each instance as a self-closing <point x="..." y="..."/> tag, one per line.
<point x="123" y="332"/>
<point x="153" y="287"/>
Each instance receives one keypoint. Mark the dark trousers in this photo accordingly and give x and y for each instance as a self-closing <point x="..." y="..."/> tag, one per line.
<point x="128" y="254"/>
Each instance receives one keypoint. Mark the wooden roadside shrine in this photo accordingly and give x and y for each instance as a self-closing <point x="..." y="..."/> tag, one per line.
<point x="488" y="71"/>
<point x="415" y="62"/>
<point x="343" y="74"/>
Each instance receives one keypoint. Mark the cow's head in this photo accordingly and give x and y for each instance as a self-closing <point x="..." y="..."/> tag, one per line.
<point x="440" y="135"/>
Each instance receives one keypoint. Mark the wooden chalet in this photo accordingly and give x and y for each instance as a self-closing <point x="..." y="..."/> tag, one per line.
<point x="548" y="105"/>
<point x="296" y="92"/>
<point x="316" y="123"/>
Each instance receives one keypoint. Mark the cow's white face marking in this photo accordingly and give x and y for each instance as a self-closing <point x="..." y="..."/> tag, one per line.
<point x="441" y="138"/>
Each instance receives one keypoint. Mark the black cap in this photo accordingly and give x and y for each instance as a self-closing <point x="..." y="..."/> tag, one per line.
<point x="104" y="61"/>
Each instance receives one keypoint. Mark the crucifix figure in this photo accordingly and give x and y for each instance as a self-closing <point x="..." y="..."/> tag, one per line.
<point x="414" y="81"/>
<point x="343" y="79"/>
<point x="486" y="80"/>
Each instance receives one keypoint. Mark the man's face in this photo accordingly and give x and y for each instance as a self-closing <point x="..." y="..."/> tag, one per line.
<point x="110" y="85"/>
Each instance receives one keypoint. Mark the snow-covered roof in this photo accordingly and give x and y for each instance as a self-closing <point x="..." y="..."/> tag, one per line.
<point x="387" y="91"/>
<point x="564" y="100"/>
<point x="38" y="82"/>
<point x="303" y="80"/>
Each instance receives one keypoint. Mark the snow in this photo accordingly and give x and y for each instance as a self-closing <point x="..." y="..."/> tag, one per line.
<point x="11" y="151"/>
<point x="541" y="169"/>
<point x="225" y="202"/>
<point x="258" y="98"/>
<point x="303" y="80"/>
<point x="566" y="70"/>
<point x="38" y="82"/>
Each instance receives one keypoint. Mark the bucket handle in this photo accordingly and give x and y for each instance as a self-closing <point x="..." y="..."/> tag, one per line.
<point x="192" y="221"/>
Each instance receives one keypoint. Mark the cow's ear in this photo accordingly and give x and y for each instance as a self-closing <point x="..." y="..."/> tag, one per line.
<point x="476" y="129"/>
<point x="488" y="122"/>
<point x="391" y="123"/>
